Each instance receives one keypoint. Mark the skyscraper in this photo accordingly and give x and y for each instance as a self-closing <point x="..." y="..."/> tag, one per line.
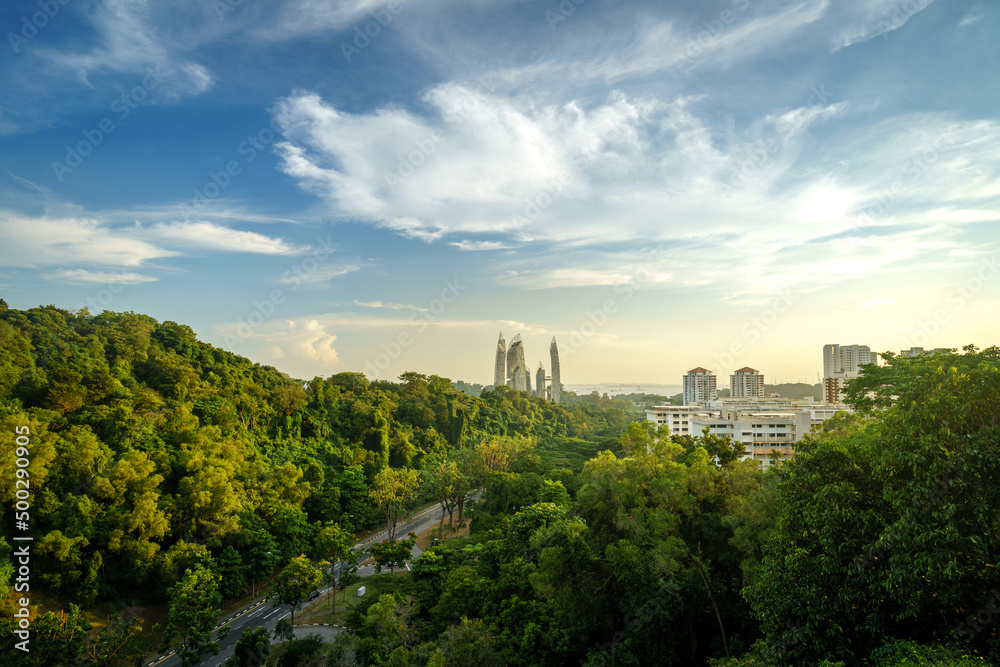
<point x="517" y="371"/>
<point x="841" y="364"/>
<point x="510" y="369"/>
<point x="540" y="381"/>
<point x="699" y="386"/>
<point x="746" y="383"/>
<point x="845" y="359"/>
<point x="555" y="395"/>
<point x="500" y="364"/>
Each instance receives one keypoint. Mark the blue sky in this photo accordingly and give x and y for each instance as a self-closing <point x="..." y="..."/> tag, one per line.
<point x="384" y="186"/>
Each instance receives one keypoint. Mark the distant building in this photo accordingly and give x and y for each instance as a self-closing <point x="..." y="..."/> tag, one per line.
<point x="555" y="393"/>
<point x="699" y="386"/>
<point x="841" y="364"/>
<point x="510" y="369"/>
<point x="767" y="428"/>
<point x="517" y="371"/>
<point x="500" y="364"/>
<point x="918" y="351"/>
<point x="677" y="418"/>
<point x="846" y="359"/>
<point x="540" y="381"/>
<point x="746" y="383"/>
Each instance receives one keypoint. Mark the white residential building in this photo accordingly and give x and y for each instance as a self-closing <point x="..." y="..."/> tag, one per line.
<point x="677" y="418"/>
<point x="699" y="386"/>
<point x="765" y="427"/>
<point x="846" y="359"/>
<point x="746" y="383"/>
<point x="841" y="364"/>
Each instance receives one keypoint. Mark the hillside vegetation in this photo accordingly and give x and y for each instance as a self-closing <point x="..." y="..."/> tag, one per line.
<point x="166" y="471"/>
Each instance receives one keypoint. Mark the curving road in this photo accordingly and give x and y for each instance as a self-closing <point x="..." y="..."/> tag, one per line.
<point x="263" y="613"/>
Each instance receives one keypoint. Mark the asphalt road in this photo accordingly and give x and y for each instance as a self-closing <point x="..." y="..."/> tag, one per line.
<point x="261" y="613"/>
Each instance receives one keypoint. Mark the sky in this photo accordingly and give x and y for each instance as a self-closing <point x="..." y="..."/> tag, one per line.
<point x="384" y="187"/>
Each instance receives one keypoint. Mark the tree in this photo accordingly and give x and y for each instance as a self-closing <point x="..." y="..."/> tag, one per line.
<point x="440" y="479"/>
<point x="233" y="573"/>
<point x="251" y="650"/>
<point x="392" y="553"/>
<point x="333" y="544"/>
<point x="393" y="489"/>
<point x="194" y="607"/>
<point x="116" y="643"/>
<point x="294" y="583"/>
<point x="886" y="529"/>
<point x="348" y="575"/>
<point x="59" y="638"/>
<point x="263" y="557"/>
<point x="390" y="623"/>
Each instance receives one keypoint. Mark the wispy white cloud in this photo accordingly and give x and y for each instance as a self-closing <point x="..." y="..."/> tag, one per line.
<point x="85" y="276"/>
<point x="974" y="16"/>
<point x="876" y="18"/>
<point x="35" y="241"/>
<point x="472" y="246"/>
<point x="131" y="42"/>
<point x="325" y="273"/>
<point x="388" y="306"/>
<point x="209" y="236"/>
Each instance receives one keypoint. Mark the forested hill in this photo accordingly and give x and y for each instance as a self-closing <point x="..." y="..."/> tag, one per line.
<point x="152" y="451"/>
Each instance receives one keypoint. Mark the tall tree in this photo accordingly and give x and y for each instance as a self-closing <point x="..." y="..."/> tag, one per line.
<point x="333" y="544"/>
<point x="393" y="489"/>
<point x="294" y="583"/>
<point x="194" y="608"/>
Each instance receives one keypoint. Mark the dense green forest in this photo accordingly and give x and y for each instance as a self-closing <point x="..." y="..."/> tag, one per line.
<point x="161" y="466"/>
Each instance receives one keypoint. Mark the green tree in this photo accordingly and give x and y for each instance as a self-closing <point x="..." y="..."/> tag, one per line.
<point x="294" y="583"/>
<point x="886" y="528"/>
<point x="194" y="608"/>
<point x="392" y="553"/>
<point x="263" y="557"/>
<point x="59" y="638"/>
<point x="116" y="643"/>
<point x="251" y="650"/>
<point x="233" y="573"/>
<point x="393" y="489"/>
<point x="334" y="545"/>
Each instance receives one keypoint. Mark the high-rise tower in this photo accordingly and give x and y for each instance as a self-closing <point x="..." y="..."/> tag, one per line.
<point x="699" y="386"/>
<point x="500" y="365"/>
<point x="540" y="381"/>
<point x="517" y="371"/>
<point x="555" y="395"/>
